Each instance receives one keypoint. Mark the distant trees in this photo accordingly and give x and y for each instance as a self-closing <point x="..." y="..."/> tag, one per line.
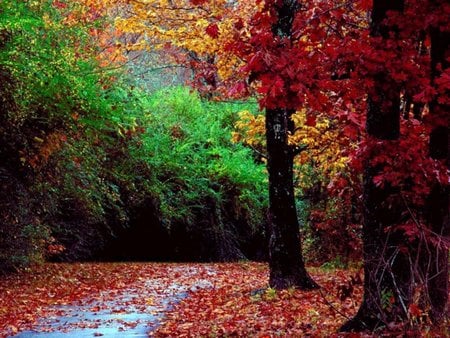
<point x="192" y="34"/>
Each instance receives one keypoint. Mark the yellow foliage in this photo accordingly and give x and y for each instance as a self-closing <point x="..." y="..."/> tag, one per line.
<point x="323" y="151"/>
<point x="250" y="129"/>
<point x="183" y="25"/>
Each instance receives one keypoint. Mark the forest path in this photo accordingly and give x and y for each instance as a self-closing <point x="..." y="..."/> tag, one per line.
<point x="131" y="304"/>
<point x="111" y="314"/>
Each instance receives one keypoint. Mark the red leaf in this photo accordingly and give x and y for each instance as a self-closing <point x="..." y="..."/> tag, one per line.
<point x="198" y="2"/>
<point x="239" y="89"/>
<point x="212" y="30"/>
<point x="414" y="310"/>
<point x="311" y="121"/>
<point x="239" y="24"/>
<point x="378" y="180"/>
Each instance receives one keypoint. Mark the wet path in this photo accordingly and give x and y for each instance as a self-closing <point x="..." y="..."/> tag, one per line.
<point x="130" y="312"/>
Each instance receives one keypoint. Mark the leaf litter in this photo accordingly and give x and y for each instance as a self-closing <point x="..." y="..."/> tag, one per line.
<point x="182" y="300"/>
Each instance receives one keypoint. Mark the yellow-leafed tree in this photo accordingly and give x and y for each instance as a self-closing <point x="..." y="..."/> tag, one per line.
<point x="323" y="178"/>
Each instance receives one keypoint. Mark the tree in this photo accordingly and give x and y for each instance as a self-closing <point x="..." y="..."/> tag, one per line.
<point x="386" y="268"/>
<point x="49" y="80"/>
<point x="323" y="180"/>
<point x="286" y="263"/>
<point x="191" y="34"/>
<point x="396" y="233"/>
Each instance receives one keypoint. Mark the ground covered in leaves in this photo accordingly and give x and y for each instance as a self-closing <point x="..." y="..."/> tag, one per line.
<point x="214" y="300"/>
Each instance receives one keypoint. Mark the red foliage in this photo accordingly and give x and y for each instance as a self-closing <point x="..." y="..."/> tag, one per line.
<point x="212" y="30"/>
<point x="59" y="4"/>
<point x="328" y="65"/>
<point x="198" y="2"/>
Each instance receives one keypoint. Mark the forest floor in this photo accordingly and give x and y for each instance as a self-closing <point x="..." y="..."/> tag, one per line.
<point x="172" y="300"/>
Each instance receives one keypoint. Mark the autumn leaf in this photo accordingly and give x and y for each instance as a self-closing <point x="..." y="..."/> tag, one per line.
<point x="212" y="30"/>
<point x="310" y="121"/>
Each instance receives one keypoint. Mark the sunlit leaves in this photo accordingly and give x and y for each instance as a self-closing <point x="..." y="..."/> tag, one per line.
<point x="319" y="136"/>
<point x="195" y="32"/>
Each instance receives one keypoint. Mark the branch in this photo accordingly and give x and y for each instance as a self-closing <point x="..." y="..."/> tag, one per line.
<point x="297" y="150"/>
<point x="399" y="293"/>
<point x="257" y="151"/>
<point x="164" y="67"/>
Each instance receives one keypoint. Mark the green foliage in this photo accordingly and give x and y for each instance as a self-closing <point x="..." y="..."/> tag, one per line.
<point x="270" y="294"/>
<point x="187" y="145"/>
<point x="51" y="88"/>
<point x="387" y="299"/>
<point x="336" y="263"/>
<point x="39" y="52"/>
<point x="81" y="150"/>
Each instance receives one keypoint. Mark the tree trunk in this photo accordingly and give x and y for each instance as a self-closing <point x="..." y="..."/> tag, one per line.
<point x="387" y="271"/>
<point x="437" y="209"/>
<point x="287" y="268"/>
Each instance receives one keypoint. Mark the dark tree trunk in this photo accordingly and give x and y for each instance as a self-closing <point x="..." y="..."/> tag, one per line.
<point x="437" y="209"/>
<point x="287" y="268"/>
<point x="286" y="262"/>
<point x="387" y="272"/>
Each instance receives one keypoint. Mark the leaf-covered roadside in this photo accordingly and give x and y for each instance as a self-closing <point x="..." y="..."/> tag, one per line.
<point x="235" y="302"/>
<point x="241" y="305"/>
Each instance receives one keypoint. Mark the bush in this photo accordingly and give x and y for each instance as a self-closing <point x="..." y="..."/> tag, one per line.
<point x="206" y="186"/>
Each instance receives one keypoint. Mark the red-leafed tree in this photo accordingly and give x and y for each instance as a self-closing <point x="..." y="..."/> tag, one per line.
<point x="397" y="233"/>
<point x="286" y="262"/>
<point x="271" y="49"/>
<point x="387" y="275"/>
<point x="297" y="62"/>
